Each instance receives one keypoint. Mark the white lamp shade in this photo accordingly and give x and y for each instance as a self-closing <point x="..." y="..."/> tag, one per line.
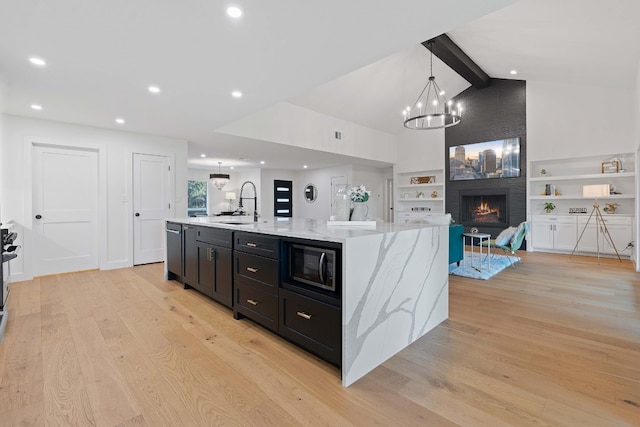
<point x="230" y="195"/>
<point x="595" y="191"/>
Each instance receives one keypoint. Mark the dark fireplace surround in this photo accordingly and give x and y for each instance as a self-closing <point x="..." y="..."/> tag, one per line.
<point x="492" y="113"/>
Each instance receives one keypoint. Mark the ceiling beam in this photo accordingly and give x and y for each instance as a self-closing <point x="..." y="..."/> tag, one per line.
<point x="449" y="53"/>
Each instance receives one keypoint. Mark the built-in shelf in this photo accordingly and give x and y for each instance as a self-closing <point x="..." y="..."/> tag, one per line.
<point x="561" y="197"/>
<point x="410" y="207"/>
<point x="416" y="186"/>
<point x="422" y="199"/>
<point x="603" y="176"/>
<point x="561" y="230"/>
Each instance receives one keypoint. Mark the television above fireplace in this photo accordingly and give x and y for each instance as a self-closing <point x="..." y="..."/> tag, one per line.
<point x="484" y="160"/>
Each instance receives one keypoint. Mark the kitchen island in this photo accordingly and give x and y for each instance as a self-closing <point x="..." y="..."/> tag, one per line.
<point x="395" y="285"/>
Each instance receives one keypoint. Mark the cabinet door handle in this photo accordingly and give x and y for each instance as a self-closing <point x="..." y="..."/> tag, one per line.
<point x="252" y="245"/>
<point x="251" y="269"/>
<point x="172" y="231"/>
<point x="211" y="254"/>
<point x="252" y="302"/>
<point x="303" y="315"/>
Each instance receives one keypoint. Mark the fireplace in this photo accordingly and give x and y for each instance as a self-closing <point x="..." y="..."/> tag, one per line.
<point x="487" y="208"/>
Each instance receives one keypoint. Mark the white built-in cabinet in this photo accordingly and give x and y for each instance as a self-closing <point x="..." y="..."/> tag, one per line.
<point x="555" y="232"/>
<point x="415" y="201"/>
<point x="620" y="233"/>
<point x="561" y="229"/>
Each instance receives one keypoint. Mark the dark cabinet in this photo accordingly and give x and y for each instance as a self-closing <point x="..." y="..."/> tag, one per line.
<point x="174" y="250"/>
<point x="256" y="272"/>
<point x="190" y="256"/>
<point x="311" y="324"/>
<point x="244" y="270"/>
<point x="215" y="278"/>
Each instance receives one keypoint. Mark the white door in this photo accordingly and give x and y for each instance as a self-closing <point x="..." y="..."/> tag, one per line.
<point x="151" y="200"/>
<point x="388" y="200"/>
<point x="65" y="206"/>
<point x="335" y="182"/>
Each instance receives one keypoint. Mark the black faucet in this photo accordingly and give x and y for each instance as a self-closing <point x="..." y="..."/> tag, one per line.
<point x="255" y="199"/>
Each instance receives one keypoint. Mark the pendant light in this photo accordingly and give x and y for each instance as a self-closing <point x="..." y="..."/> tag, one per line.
<point x="432" y="110"/>
<point x="219" y="179"/>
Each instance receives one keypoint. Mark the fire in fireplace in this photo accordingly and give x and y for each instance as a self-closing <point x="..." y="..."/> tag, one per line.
<point x="484" y="209"/>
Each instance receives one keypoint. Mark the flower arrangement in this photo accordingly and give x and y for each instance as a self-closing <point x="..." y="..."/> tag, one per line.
<point x="610" y="208"/>
<point x="359" y="194"/>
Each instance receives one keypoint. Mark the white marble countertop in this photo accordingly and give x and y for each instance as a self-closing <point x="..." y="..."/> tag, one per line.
<point x="299" y="228"/>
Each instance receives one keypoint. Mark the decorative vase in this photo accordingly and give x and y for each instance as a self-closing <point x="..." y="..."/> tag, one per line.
<point x="360" y="211"/>
<point x="342" y="203"/>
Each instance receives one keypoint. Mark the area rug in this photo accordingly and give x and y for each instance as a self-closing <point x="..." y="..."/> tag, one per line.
<point x="498" y="263"/>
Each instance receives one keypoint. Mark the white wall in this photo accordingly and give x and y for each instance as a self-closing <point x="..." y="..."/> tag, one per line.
<point x="565" y="121"/>
<point x="420" y="150"/>
<point x="321" y="208"/>
<point x="117" y="249"/>
<point x="293" y="125"/>
<point x="636" y="141"/>
<point x="373" y="179"/>
<point x="2" y="101"/>
<point x="267" y="176"/>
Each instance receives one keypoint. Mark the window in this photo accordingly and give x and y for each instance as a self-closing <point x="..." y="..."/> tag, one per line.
<point x="196" y="198"/>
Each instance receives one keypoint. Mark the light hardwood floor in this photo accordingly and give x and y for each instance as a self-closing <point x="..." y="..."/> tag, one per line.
<point x="553" y="342"/>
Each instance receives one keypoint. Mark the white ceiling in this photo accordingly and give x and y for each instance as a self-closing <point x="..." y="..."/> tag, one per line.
<point x="102" y="56"/>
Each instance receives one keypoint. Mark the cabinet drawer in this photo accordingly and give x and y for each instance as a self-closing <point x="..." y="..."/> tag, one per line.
<point x="214" y="236"/>
<point x="623" y="221"/>
<point x="259" y="306"/>
<point x="258" y="244"/>
<point x="312" y="324"/>
<point x="256" y="270"/>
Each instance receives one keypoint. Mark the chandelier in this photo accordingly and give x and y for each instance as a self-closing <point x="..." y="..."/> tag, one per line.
<point x="219" y="179"/>
<point x="432" y="110"/>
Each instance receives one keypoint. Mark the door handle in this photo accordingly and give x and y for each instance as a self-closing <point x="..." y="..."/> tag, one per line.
<point x="251" y="269"/>
<point x="38" y="216"/>
<point x="172" y="231"/>
<point x="137" y="213"/>
<point x="252" y="245"/>
<point x="252" y="302"/>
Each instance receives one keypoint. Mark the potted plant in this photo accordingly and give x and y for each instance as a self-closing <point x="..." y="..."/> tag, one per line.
<point x="549" y="207"/>
<point x="610" y="208"/>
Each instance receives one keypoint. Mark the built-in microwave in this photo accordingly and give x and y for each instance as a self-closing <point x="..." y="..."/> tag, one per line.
<point x="312" y="265"/>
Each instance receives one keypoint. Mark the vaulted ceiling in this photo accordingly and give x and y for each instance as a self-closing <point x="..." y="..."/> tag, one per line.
<point x="359" y="61"/>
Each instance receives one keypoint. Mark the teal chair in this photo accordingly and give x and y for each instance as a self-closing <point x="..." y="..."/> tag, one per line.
<point x="513" y="244"/>
<point x="456" y="250"/>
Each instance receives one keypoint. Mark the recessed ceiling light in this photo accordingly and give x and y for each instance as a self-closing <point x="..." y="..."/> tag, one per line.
<point x="231" y="167"/>
<point x="120" y="121"/>
<point x="262" y="162"/>
<point x="513" y="72"/>
<point x="36" y="107"/>
<point x="203" y="155"/>
<point x="37" y="61"/>
<point x="154" y="89"/>
<point x="305" y="166"/>
<point x="234" y="12"/>
<point x="236" y="94"/>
